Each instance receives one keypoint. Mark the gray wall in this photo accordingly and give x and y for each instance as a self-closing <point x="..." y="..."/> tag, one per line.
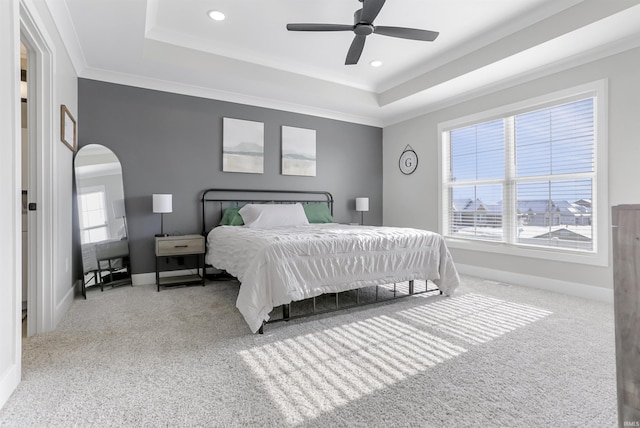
<point x="170" y="143"/>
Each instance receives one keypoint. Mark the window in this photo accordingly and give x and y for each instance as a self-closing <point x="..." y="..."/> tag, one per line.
<point x="93" y="216"/>
<point x="527" y="175"/>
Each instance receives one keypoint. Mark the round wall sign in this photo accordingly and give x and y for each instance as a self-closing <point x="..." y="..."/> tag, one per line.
<point x="408" y="161"/>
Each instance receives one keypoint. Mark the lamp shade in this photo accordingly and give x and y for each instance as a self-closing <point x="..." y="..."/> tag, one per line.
<point x="362" y="204"/>
<point x="162" y="203"/>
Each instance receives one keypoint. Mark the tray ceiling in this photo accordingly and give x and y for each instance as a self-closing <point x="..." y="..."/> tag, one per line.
<point x="251" y="58"/>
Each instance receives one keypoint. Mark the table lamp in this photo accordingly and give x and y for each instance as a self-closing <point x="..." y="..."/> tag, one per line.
<point x="362" y="205"/>
<point x="162" y="203"/>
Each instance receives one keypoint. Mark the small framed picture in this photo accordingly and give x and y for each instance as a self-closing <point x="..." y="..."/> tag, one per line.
<point x="242" y="146"/>
<point x="298" y="151"/>
<point x="68" y="128"/>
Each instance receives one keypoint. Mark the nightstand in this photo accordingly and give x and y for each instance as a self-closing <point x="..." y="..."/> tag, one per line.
<point x="178" y="246"/>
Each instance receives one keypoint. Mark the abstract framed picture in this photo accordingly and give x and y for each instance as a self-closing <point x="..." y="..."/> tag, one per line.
<point x="242" y="146"/>
<point x="298" y="151"/>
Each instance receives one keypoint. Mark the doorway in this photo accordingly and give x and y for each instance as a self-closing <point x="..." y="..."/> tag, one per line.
<point x="38" y="136"/>
<point x="31" y="314"/>
<point x="24" y="114"/>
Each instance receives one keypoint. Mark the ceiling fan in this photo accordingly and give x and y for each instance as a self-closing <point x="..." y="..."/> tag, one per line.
<point x="363" y="26"/>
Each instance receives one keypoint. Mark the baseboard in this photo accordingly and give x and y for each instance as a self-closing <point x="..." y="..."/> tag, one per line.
<point x="62" y="307"/>
<point x="564" y="287"/>
<point x="77" y="288"/>
<point x="150" y="277"/>
<point x="143" y="278"/>
<point x="9" y="382"/>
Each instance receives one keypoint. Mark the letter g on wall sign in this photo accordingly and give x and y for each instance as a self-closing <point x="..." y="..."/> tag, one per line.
<point x="408" y="161"/>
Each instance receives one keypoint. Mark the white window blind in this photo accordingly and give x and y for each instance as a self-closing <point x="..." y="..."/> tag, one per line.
<point x="524" y="179"/>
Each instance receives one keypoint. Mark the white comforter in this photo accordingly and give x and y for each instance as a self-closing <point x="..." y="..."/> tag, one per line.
<point x="283" y="264"/>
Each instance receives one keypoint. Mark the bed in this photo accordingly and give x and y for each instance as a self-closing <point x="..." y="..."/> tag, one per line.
<point x="280" y="257"/>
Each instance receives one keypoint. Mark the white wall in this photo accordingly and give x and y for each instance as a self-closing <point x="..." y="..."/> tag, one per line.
<point x="66" y="92"/>
<point x="413" y="200"/>
<point x="55" y="185"/>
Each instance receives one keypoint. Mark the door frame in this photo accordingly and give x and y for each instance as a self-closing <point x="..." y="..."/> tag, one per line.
<point x="40" y="299"/>
<point x="10" y="214"/>
<point x="18" y="22"/>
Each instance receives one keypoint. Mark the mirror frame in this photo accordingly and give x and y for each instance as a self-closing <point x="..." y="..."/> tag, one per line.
<point x="98" y="169"/>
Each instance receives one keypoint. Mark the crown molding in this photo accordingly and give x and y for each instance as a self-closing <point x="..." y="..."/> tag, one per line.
<point x="220" y="95"/>
<point x="64" y="24"/>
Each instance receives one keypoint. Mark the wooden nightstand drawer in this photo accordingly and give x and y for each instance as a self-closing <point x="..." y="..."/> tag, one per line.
<point x="177" y="245"/>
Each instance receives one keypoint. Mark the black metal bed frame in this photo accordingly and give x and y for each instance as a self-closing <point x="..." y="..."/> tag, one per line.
<point x="321" y="197"/>
<point x="318" y="197"/>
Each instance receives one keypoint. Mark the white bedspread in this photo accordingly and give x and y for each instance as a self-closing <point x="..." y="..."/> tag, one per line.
<point x="283" y="264"/>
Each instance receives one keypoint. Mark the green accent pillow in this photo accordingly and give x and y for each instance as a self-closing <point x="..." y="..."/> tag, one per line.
<point x="231" y="217"/>
<point x="318" y="213"/>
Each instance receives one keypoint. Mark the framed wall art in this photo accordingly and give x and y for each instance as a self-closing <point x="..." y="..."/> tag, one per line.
<point x="68" y="128"/>
<point x="242" y="146"/>
<point x="298" y="151"/>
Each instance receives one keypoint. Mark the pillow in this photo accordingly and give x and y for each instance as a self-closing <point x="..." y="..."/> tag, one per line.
<point x="231" y="217"/>
<point x="261" y="215"/>
<point x="318" y="213"/>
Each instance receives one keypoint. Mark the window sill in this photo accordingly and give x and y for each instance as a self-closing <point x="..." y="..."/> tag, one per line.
<point x="585" y="258"/>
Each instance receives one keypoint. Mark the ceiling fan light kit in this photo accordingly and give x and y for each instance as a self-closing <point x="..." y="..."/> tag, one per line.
<point x="363" y="26"/>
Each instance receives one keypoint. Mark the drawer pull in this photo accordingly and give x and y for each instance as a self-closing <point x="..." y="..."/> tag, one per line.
<point x="181" y="246"/>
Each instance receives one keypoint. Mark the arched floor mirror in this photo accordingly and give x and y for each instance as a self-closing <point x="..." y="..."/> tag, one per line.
<point x="102" y="218"/>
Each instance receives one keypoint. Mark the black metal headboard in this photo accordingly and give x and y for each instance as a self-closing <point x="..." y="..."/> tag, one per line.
<point x="229" y="197"/>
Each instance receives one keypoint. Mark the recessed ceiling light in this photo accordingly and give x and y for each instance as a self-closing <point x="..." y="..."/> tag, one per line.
<point x="216" y="15"/>
<point x="376" y="63"/>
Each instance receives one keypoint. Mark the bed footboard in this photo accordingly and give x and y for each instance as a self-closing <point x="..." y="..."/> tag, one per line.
<point x="392" y="292"/>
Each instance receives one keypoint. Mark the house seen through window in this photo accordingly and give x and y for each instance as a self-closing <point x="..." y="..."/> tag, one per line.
<point x="524" y="179"/>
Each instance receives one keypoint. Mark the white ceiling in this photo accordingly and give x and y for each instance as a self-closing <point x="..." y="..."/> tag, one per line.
<point x="251" y="58"/>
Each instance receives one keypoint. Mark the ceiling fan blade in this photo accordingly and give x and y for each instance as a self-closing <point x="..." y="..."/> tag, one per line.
<point x="355" y="50"/>
<point x="319" y="27"/>
<point x="371" y="9"/>
<point x="407" y="33"/>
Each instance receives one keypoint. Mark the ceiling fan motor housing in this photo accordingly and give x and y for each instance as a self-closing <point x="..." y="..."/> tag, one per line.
<point x="361" y="28"/>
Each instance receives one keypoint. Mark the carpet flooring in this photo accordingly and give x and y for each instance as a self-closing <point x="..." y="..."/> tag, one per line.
<point x="493" y="355"/>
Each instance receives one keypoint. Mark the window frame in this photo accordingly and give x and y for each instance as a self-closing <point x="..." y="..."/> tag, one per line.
<point x="599" y="256"/>
<point x="101" y="189"/>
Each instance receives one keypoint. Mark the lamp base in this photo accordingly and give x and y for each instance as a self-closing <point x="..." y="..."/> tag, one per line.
<point x="161" y="235"/>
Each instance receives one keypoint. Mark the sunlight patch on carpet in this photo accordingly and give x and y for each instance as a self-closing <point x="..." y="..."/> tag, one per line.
<point x="474" y="318"/>
<point x="315" y="373"/>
